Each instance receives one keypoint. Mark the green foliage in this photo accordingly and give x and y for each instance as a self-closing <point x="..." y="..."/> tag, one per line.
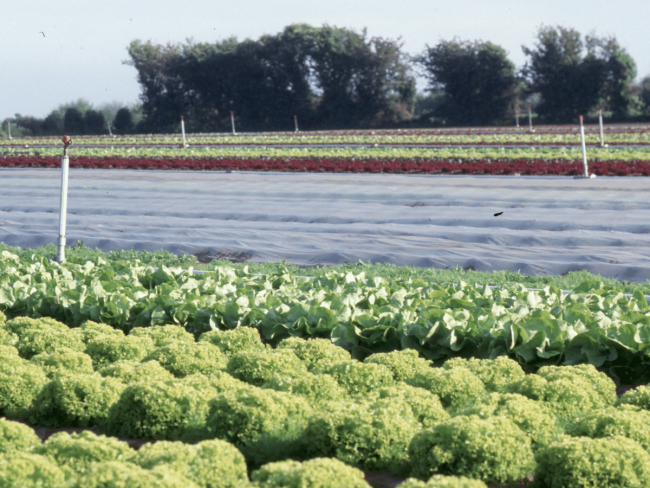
<point x="370" y="436"/>
<point x="107" y="349"/>
<point x="75" y="400"/>
<point x="73" y="122"/>
<point x="478" y="79"/>
<point x="536" y="419"/>
<point x="640" y="397"/>
<point x="64" y="359"/>
<point x="493" y="450"/>
<point x="197" y="462"/>
<point x="455" y="387"/>
<point x="314" y="352"/>
<point x="494" y="373"/>
<point x="257" y="367"/>
<point x="40" y="340"/>
<point x="599" y="382"/>
<point x="114" y="474"/>
<point x="426" y="406"/>
<point x="403" y="364"/>
<point x="90" y="330"/>
<point x="3" y="319"/>
<point x="319" y="472"/>
<point x="315" y="388"/>
<point x="182" y="359"/>
<point x="94" y="123"/>
<point x="19" y="325"/>
<point x="440" y="481"/>
<point x="234" y="340"/>
<point x="129" y="372"/>
<point x="157" y="410"/>
<point x="581" y="462"/>
<point x="123" y="122"/>
<point x="26" y="470"/>
<point x="359" y="378"/>
<point x="626" y="421"/>
<point x="81" y="451"/>
<point x="20" y="384"/>
<point x="16" y="436"/>
<point x="163" y="335"/>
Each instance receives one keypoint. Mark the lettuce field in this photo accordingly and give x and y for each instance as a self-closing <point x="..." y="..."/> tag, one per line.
<point x="162" y="377"/>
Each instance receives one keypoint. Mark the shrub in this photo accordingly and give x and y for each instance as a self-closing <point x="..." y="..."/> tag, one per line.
<point x="20" y="384"/>
<point x="15" y="436"/>
<point x="628" y="421"/>
<point x="371" y="436"/>
<point x="494" y="373"/>
<point x="319" y="472"/>
<point x="426" y="406"/>
<point x="113" y="474"/>
<point x="440" y="481"/>
<point x="156" y="410"/>
<point x="360" y="378"/>
<point x="314" y="352"/>
<point x="64" y="359"/>
<point x="493" y="450"/>
<point x="182" y="359"/>
<point x="27" y="470"/>
<point x="107" y="349"/>
<point x="129" y="372"/>
<point x="197" y="462"/>
<point x="639" y="397"/>
<point x="257" y="368"/>
<point x="35" y="341"/>
<point x="535" y="419"/>
<point x="316" y="388"/>
<point x="403" y="364"/>
<point x="75" y="400"/>
<point x="454" y="387"/>
<point x="162" y="335"/>
<point x="80" y="451"/>
<point x="266" y="425"/>
<point x="578" y="462"/>
<point x="234" y="340"/>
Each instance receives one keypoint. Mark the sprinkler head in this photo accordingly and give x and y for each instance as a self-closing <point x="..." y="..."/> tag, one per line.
<point x="67" y="140"/>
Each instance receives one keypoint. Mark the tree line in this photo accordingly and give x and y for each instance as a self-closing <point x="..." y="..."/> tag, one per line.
<point x="336" y="78"/>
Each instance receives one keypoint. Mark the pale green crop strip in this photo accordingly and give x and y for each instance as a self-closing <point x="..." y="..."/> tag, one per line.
<point x="370" y="153"/>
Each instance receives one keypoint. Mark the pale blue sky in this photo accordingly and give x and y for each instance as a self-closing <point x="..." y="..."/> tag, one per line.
<point x="85" y="41"/>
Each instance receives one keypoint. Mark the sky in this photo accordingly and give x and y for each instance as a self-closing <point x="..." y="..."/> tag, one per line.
<point x="54" y="52"/>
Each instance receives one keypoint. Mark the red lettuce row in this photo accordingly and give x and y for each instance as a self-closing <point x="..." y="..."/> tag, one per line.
<point x="399" y="166"/>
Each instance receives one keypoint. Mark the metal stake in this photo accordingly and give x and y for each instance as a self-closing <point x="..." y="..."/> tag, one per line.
<point x="584" y="149"/>
<point x="183" y="131"/>
<point x="295" y="122"/>
<point x="517" y="117"/>
<point x="600" y="123"/>
<point x="232" y="123"/>
<point x="9" y="127"/>
<point x="108" y="124"/>
<point x="65" y="163"/>
<point x="530" y="119"/>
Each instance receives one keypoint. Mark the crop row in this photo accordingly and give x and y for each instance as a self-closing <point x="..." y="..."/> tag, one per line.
<point x="594" y="323"/>
<point x="300" y="406"/>
<point x="489" y="167"/>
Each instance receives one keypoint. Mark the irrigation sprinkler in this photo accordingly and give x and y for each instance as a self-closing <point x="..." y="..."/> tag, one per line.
<point x="530" y="119"/>
<point x="183" y="131"/>
<point x="108" y="125"/>
<point x="232" y="123"/>
<point x="600" y="123"/>
<point x="584" y="152"/>
<point x="295" y="122"/>
<point x="517" y="118"/>
<point x="9" y="128"/>
<point x="65" y="163"/>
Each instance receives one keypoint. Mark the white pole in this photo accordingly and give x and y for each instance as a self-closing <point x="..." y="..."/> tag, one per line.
<point x="530" y="119"/>
<point x="295" y="122"/>
<point x="60" y="256"/>
<point x="183" y="131"/>
<point x="9" y="127"/>
<point x="600" y="123"/>
<point x="584" y="149"/>
<point x="232" y="123"/>
<point x="108" y="124"/>
<point x="517" y="117"/>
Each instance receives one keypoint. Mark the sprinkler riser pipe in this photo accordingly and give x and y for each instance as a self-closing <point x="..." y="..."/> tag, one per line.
<point x="295" y="122"/>
<point x="584" y="149"/>
<point x="600" y="123"/>
<point x="232" y="122"/>
<point x="65" y="164"/>
<point x="183" y="131"/>
<point x="530" y="119"/>
<point x="9" y="129"/>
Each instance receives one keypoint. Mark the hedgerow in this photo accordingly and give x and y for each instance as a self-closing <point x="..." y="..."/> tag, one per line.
<point x="16" y="436"/>
<point x="494" y="450"/>
<point x="319" y="472"/>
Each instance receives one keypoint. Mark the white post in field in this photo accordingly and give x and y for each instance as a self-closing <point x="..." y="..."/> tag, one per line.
<point x="600" y="123"/>
<point x="9" y="127"/>
<point x="530" y="119"/>
<point x="108" y="124"/>
<point x="584" y="149"/>
<point x="183" y="131"/>
<point x="295" y="122"/>
<point x="517" y="117"/>
<point x="65" y="163"/>
<point x="232" y="122"/>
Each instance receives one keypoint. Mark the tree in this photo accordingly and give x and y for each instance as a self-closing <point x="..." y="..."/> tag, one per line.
<point x="73" y="121"/>
<point x="123" y="122"/>
<point x="645" y="94"/>
<point x="94" y="123"/>
<point x="478" y="80"/>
